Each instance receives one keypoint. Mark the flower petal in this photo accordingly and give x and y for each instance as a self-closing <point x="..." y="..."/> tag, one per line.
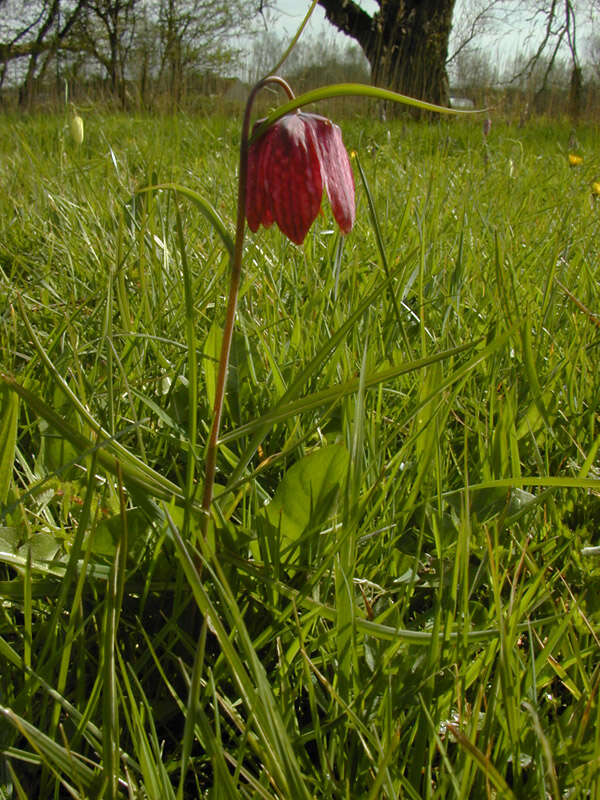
<point x="293" y="179"/>
<point x="255" y="195"/>
<point x="337" y="172"/>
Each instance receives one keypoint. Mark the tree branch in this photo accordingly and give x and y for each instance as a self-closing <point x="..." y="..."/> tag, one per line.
<point x="351" y="19"/>
<point x="473" y="29"/>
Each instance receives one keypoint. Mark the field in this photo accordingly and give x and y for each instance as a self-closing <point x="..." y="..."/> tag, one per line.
<point x="398" y="595"/>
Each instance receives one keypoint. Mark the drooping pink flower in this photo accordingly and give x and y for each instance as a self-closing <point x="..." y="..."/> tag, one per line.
<point x="300" y="155"/>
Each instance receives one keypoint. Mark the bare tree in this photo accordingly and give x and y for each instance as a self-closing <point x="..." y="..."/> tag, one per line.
<point x="106" y="31"/>
<point x="159" y="42"/>
<point x="33" y="33"/>
<point x="477" y="18"/>
<point x="558" y="22"/>
<point x="196" y="35"/>
<point x="406" y="41"/>
<point x="553" y="36"/>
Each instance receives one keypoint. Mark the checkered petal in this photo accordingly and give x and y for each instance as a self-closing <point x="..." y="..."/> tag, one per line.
<point x="338" y="176"/>
<point x="288" y="168"/>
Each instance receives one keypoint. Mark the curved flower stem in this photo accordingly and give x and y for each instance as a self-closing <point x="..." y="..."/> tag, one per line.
<point x="234" y="285"/>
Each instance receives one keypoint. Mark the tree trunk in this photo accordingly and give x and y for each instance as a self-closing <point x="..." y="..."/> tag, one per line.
<point x="27" y="89"/>
<point x="406" y="43"/>
<point x="576" y="93"/>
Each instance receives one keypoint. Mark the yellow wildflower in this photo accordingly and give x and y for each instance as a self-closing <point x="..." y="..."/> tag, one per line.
<point x="596" y="188"/>
<point x="575" y="161"/>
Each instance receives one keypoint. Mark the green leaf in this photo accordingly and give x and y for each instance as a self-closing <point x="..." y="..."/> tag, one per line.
<point x="212" y="350"/>
<point x="308" y="491"/>
<point x="9" y="414"/>
<point x="134" y="470"/>
<point x="56" y="757"/>
<point x="42" y="547"/>
<point x="109" y="532"/>
<point x="352" y="90"/>
<point x="40" y="550"/>
<point x="9" y="540"/>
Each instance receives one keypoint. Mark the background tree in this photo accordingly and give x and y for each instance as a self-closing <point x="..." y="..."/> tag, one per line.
<point x="195" y="36"/>
<point x="557" y="19"/>
<point x="157" y="43"/>
<point x="472" y="69"/>
<point x="107" y="30"/>
<point x="140" y="47"/>
<point x="551" y="43"/>
<point x="405" y="42"/>
<point x="31" y="34"/>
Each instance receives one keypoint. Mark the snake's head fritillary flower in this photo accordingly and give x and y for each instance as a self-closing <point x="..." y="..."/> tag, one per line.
<point x="487" y="126"/>
<point x="574" y="160"/>
<point x="300" y="155"/>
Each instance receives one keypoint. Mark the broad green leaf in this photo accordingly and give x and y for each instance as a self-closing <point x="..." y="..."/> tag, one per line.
<point x="307" y="493"/>
<point x="9" y="540"/>
<point x="14" y="589"/>
<point x="41" y="546"/>
<point x="109" y="532"/>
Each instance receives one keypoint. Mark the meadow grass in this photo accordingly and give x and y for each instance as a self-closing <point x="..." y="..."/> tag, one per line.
<point x="398" y="596"/>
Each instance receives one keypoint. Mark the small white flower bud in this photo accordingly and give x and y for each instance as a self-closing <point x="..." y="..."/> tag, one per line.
<point x="77" y="129"/>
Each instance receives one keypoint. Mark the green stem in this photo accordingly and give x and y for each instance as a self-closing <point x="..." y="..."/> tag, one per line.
<point x="234" y="285"/>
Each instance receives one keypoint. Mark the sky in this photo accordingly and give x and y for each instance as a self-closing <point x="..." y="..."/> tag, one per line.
<point x="293" y="11"/>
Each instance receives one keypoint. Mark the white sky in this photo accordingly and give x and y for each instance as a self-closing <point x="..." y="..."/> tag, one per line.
<point x="292" y="12"/>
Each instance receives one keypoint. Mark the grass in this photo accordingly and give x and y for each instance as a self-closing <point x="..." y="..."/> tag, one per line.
<point x="399" y="593"/>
